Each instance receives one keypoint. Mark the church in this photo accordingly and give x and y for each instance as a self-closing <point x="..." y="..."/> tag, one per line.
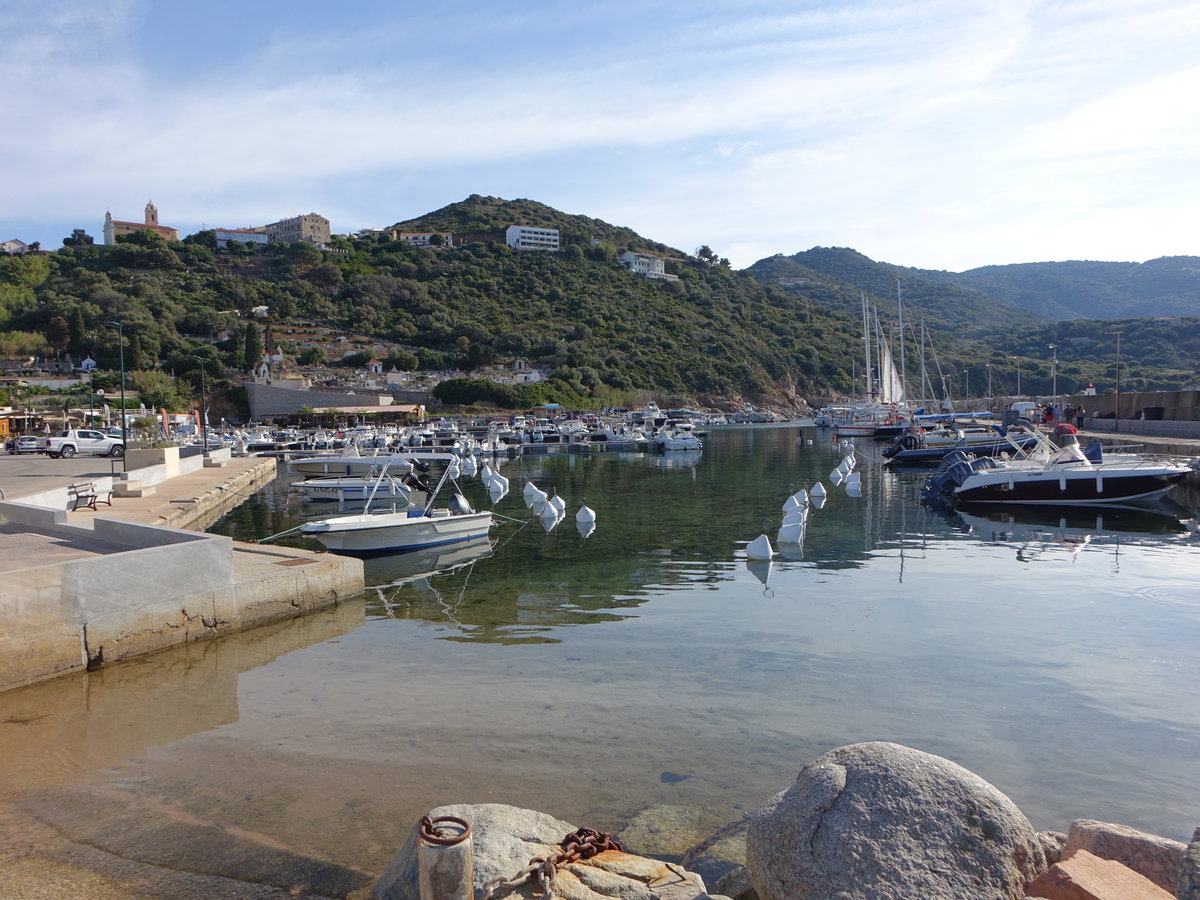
<point x="113" y="227"/>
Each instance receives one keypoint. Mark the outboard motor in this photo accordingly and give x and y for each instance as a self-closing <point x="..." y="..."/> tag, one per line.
<point x="908" y="441"/>
<point x="459" y="506"/>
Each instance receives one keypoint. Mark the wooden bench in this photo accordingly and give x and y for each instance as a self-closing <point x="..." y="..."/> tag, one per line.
<point x="84" y="494"/>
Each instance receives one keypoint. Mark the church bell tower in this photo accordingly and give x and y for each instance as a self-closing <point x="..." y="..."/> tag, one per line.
<point x="151" y="214"/>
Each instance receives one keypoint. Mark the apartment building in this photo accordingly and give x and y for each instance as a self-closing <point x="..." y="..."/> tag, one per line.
<point x="524" y="237"/>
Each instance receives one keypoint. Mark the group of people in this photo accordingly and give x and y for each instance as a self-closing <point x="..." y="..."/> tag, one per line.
<point x="1068" y="415"/>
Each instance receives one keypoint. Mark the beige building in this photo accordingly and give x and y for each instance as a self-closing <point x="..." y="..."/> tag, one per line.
<point x="113" y="227"/>
<point x="311" y="228"/>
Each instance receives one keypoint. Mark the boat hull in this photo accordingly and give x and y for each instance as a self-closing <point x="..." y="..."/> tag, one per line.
<point x="1066" y="488"/>
<point x="365" y="535"/>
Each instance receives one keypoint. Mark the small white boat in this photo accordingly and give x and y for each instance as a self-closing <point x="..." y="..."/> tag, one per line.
<point x="352" y="488"/>
<point x="407" y="529"/>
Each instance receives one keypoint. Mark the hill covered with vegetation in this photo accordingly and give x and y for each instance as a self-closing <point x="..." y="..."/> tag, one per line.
<point x="1168" y="286"/>
<point x="606" y="333"/>
<point x="787" y="328"/>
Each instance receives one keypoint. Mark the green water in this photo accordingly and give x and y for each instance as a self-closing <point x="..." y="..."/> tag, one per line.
<point x="648" y="666"/>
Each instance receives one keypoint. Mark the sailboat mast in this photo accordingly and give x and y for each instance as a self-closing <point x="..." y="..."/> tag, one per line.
<point x="867" y="347"/>
<point x="903" y="368"/>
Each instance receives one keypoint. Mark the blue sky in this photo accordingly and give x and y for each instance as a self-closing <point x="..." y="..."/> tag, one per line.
<point x="935" y="134"/>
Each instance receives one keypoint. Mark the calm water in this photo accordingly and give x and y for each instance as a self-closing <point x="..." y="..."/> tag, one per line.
<point x="648" y="664"/>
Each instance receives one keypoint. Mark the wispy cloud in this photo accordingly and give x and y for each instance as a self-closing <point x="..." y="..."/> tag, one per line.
<point x="925" y="133"/>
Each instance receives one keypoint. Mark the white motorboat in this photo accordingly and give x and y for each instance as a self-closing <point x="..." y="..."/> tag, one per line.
<point x="410" y="528"/>
<point x="354" y="488"/>
<point x="1053" y="476"/>
<point x="677" y="439"/>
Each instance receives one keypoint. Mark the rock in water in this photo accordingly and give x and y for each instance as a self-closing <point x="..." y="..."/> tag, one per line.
<point x="506" y="838"/>
<point x="880" y="821"/>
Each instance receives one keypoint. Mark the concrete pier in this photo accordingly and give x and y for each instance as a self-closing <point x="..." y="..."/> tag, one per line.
<point x="81" y="589"/>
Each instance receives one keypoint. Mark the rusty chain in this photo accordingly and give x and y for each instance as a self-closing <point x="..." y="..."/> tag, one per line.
<point x="581" y="844"/>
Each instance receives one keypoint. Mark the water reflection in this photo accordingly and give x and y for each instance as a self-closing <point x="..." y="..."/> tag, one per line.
<point x="52" y="733"/>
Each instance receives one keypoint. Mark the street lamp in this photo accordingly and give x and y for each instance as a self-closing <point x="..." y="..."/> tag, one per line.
<point x="124" y="425"/>
<point x="1054" y="370"/>
<point x="988" y="366"/>
<point x="203" y="408"/>
<point x="1017" y="360"/>
<point x="1117" y="408"/>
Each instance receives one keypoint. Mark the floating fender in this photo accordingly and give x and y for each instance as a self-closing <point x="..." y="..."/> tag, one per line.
<point x="459" y="506"/>
<point x="585" y="514"/>
<point x="759" y="548"/>
<point x="818" y="490"/>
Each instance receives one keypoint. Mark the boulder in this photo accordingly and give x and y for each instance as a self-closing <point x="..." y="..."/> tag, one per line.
<point x="1083" y="876"/>
<point x="1189" y="871"/>
<point x="506" y="838"/>
<point x="1157" y="858"/>
<point x="880" y="821"/>
<point x="1053" y="843"/>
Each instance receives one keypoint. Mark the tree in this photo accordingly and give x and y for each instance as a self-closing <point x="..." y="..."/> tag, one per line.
<point x="77" y="337"/>
<point x="57" y="332"/>
<point x="252" y="349"/>
<point x="311" y="356"/>
<point x="79" y="238"/>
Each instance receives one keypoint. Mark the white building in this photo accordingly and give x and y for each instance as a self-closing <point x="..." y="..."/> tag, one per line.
<point x="16" y="245"/>
<point x="524" y="237"/>
<point x="647" y="265"/>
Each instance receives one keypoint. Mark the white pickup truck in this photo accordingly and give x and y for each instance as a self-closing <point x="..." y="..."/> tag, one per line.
<point x="67" y="443"/>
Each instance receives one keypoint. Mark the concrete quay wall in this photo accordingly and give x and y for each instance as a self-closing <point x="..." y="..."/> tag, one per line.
<point x="83" y="589"/>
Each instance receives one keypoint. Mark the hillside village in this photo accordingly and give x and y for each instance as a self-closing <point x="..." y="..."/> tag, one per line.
<point x="282" y="385"/>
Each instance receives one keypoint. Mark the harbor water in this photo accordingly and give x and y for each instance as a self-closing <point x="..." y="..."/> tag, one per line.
<point x="648" y="671"/>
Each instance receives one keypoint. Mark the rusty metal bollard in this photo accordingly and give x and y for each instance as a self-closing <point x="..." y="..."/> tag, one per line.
<point x="444" y="859"/>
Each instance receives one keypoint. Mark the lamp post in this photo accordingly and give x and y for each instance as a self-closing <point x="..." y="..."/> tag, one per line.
<point x="1054" y="371"/>
<point x="203" y="408"/>
<point x="1117" y="408"/>
<point x="124" y="425"/>
<point x="1017" y="360"/>
<point x="988" y="366"/>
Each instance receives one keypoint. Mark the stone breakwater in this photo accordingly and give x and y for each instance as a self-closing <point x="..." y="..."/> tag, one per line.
<point x="870" y="821"/>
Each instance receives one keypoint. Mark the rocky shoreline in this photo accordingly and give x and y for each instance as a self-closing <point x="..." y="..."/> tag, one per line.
<point x="870" y="821"/>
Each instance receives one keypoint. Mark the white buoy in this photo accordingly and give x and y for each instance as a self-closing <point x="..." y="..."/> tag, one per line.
<point x="854" y="489"/>
<point x="585" y="514"/>
<point x="469" y="466"/>
<point x="531" y="489"/>
<point x="585" y="528"/>
<point x="497" y="492"/>
<point x="759" y="548"/>
<point x="790" y="533"/>
<point x="836" y="477"/>
<point x="796" y="515"/>
<point x="853" y="477"/>
<point x="791" y="503"/>
<point x="818" y="490"/>
<point x="559" y="504"/>
<point x="819" y="502"/>
<point x="801" y="497"/>
<point x="485" y="475"/>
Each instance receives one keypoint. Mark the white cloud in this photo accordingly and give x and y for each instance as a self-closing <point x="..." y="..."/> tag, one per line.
<point x="925" y="133"/>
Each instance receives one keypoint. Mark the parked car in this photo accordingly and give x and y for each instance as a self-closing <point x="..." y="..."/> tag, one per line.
<point x="67" y="443"/>
<point x="26" y="444"/>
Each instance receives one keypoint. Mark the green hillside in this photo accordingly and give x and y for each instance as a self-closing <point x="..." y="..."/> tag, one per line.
<point x="836" y="276"/>
<point x="606" y="333"/>
<point x="1169" y="286"/>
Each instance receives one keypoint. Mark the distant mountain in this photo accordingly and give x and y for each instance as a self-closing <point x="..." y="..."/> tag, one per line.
<point x="835" y="276"/>
<point x="1168" y="286"/>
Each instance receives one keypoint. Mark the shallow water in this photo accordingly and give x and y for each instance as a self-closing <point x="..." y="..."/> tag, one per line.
<point x="649" y="664"/>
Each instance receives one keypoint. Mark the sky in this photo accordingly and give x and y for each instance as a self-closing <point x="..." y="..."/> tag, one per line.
<point x="929" y="133"/>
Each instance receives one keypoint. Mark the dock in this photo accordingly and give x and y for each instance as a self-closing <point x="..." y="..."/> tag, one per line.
<point x="89" y="587"/>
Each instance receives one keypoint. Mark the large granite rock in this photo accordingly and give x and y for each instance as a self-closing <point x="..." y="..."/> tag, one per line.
<point x="506" y="838"/>
<point x="880" y="821"/>
<point x="1157" y="858"/>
